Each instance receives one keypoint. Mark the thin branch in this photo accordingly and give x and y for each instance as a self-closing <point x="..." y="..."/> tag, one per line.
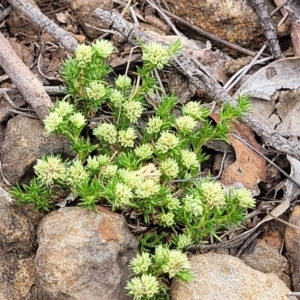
<point x="65" y="38"/>
<point x="29" y="86"/>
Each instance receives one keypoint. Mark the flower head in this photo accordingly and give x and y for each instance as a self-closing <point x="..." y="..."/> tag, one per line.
<point x="193" y="109"/>
<point x="147" y="188"/>
<point x="154" y="125"/>
<point x="123" y="82"/>
<point x="183" y="240"/>
<point x="169" y="167"/>
<point x="78" y="120"/>
<point x="141" y="263"/>
<point x="76" y="173"/>
<point x="167" y="141"/>
<point x="161" y="254"/>
<point x="64" y="108"/>
<point x="93" y="163"/>
<point x="103" y="48"/>
<point x="144" y="287"/>
<point x="123" y="194"/>
<point x="167" y="219"/>
<point x="156" y="54"/>
<point x="176" y="262"/>
<point x="245" y="198"/>
<point x="189" y="159"/>
<point x="84" y="54"/>
<point x="130" y="178"/>
<point x="133" y="110"/>
<point x="213" y="194"/>
<point x="193" y="205"/>
<point x="95" y="90"/>
<point x="50" y="169"/>
<point x="116" y="98"/>
<point x="126" y="137"/>
<point x="186" y="124"/>
<point x="106" y="132"/>
<point x="171" y="203"/>
<point x="109" y="171"/>
<point x="52" y="122"/>
<point x="144" y="151"/>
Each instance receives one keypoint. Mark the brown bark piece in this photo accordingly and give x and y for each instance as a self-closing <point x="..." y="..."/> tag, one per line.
<point x="28" y="85"/>
<point x="249" y="168"/>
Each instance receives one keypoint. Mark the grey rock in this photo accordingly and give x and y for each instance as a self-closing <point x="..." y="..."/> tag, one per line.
<point x="292" y="243"/>
<point x="267" y="259"/>
<point x="83" y="255"/>
<point x="17" y="251"/>
<point x="25" y="141"/>
<point x="224" y="277"/>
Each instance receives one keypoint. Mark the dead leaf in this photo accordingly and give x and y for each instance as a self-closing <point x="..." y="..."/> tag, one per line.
<point x="249" y="168"/>
<point x="281" y="113"/>
<point x="149" y="171"/>
<point x="281" y="74"/>
<point x="62" y="18"/>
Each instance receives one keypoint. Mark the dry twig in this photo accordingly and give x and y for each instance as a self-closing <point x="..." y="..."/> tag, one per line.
<point x="35" y="15"/>
<point x="22" y="77"/>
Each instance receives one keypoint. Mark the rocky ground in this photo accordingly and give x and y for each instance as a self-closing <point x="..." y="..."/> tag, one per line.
<point x="73" y="253"/>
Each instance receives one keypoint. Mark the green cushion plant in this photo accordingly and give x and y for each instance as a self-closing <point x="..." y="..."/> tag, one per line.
<point x="144" y="164"/>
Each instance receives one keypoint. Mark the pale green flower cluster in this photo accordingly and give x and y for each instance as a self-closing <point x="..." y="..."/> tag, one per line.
<point x="193" y="205"/>
<point x="127" y="137"/>
<point x="103" y="48"/>
<point x="83" y="54"/>
<point x="167" y="141"/>
<point x="52" y="122"/>
<point x="63" y="114"/>
<point x="133" y="110"/>
<point x="144" y="287"/>
<point x="144" y="151"/>
<point x="130" y="178"/>
<point x="95" y="90"/>
<point x="171" y="203"/>
<point x="76" y="173"/>
<point x="192" y="109"/>
<point x="244" y="198"/>
<point x="186" y="124"/>
<point x="64" y="108"/>
<point x="109" y="171"/>
<point x="116" y="98"/>
<point x="175" y="262"/>
<point x="123" y="194"/>
<point x="183" y="240"/>
<point x="213" y="194"/>
<point x="78" y="120"/>
<point x="147" y="188"/>
<point x="169" y="167"/>
<point x="154" y="125"/>
<point x="167" y="219"/>
<point x="189" y="159"/>
<point x="170" y="262"/>
<point x="106" y="132"/>
<point x="50" y="169"/>
<point x="141" y="263"/>
<point x="156" y="54"/>
<point x="123" y="82"/>
<point x="93" y="163"/>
